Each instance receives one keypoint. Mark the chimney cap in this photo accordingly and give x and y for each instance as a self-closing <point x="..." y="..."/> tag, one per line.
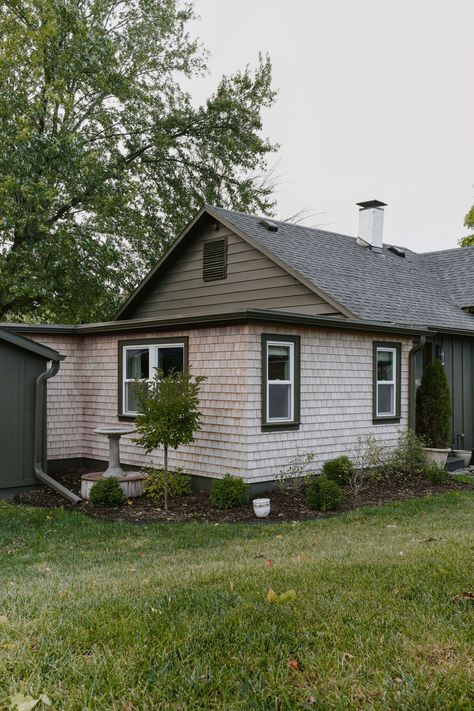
<point x="371" y="203"/>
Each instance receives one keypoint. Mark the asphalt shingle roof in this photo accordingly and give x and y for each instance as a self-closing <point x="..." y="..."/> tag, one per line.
<point x="420" y="289"/>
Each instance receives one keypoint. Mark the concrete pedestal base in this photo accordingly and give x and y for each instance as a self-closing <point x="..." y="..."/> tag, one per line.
<point x="131" y="483"/>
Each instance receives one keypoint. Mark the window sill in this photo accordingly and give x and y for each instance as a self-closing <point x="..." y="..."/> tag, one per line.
<point x="126" y="418"/>
<point x="386" y="420"/>
<point x="280" y="426"/>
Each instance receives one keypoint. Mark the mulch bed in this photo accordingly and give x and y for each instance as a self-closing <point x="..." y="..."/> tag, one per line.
<point x="286" y="505"/>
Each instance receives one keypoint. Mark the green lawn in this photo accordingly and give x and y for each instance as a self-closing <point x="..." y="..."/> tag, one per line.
<point x="115" y="616"/>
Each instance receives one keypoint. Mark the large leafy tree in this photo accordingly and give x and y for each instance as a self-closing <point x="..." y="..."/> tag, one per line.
<point x="104" y="156"/>
<point x="468" y="241"/>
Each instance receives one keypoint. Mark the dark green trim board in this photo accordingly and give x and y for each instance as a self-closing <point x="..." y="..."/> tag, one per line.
<point x="178" y="340"/>
<point x="398" y="348"/>
<point x="253" y="315"/>
<point x="295" y="423"/>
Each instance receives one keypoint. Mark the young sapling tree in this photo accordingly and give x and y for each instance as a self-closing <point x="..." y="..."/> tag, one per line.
<point x="169" y="413"/>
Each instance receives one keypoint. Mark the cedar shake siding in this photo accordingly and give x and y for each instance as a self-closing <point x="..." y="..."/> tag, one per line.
<point x="336" y="399"/>
<point x="252" y="280"/>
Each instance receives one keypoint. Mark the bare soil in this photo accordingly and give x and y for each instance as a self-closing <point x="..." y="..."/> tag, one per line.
<point x="286" y="505"/>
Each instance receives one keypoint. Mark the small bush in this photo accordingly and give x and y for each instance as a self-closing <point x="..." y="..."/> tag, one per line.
<point x="295" y="474"/>
<point x="339" y="470"/>
<point x="107" y="492"/>
<point x="229" y="492"/>
<point x="323" y="494"/>
<point x="409" y="457"/>
<point x="179" y="484"/>
<point x="434" y="473"/>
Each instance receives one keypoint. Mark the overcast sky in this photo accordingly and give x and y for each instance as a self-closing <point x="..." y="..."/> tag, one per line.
<point x="376" y="100"/>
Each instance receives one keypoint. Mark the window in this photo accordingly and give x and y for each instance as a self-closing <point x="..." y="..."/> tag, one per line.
<point x="214" y="260"/>
<point x="280" y="381"/>
<point x="138" y="360"/>
<point x="386" y="381"/>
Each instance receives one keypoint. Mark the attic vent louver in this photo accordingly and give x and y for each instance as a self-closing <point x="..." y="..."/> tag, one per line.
<point x="269" y="225"/>
<point x="396" y="250"/>
<point x="214" y="260"/>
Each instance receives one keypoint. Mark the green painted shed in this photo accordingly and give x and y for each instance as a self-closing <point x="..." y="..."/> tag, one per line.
<point x="24" y="368"/>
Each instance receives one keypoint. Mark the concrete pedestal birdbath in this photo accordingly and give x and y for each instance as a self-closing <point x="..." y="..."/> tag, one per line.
<point x="131" y="483"/>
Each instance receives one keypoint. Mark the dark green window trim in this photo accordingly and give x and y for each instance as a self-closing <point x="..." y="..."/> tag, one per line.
<point x="381" y="419"/>
<point x="178" y="340"/>
<point x="293" y="424"/>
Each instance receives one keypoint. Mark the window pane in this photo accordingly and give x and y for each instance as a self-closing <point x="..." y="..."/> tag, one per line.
<point x="279" y="402"/>
<point x="131" y="404"/>
<point x="386" y="399"/>
<point x="137" y="363"/>
<point x="384" y="365"/>
<point x="278" y="363"/>
<point x="170" y="358"/>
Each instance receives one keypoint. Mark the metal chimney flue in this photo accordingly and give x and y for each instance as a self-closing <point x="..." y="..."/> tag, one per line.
<point x="371" y="224"/>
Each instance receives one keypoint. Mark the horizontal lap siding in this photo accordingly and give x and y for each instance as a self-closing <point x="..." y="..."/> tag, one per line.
<point x="252" y="280"/>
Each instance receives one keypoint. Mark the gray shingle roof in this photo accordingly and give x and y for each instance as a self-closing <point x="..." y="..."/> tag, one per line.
<point x="420" y="289"/>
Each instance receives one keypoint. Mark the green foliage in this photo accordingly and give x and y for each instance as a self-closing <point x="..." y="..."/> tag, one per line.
<point x="339" y="470"/>
<point x="169" y="410"/>
<point x="409" y="457"/>
<point x="169" y="413"/>
<point x="435" y="473"/>
<point x="179" y="484"/>
<point x="104" y="157"/>
<point x="468" y="241"/>
<point x="433" y="407"/>
<point x="229" y="492"/>
<point x="107" y="492"/>
<point x="323" y="494"/>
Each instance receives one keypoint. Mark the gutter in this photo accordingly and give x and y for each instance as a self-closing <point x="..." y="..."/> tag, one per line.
<point x="412" y="395"/>
<point x="40" y="389"/>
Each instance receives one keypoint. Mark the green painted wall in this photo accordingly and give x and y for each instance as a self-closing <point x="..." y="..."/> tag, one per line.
<point x="18" y="371"/>
<point x="458" y="357"/>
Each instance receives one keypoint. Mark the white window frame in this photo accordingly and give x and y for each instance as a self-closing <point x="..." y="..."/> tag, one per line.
<point x="291" y="382"/>
<point x="393" y="382"/>
<point x="153" y="349"/>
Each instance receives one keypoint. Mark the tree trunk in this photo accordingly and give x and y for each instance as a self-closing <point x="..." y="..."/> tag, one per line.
<point x="165" y="478"/>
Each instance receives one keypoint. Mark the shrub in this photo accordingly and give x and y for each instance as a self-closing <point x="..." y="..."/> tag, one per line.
<point x="370" y="463"/>
<point x="295" y="474"/>
<point x="339" y="470"/>
<point x="323" y="494"/>
<point x="179" y="484"/>
<point x="229" y="492"/>
<point x="433" y="407"/>
<point x="434" y="473"/>
<point x="409" y="457"/>
<point x="107" y="492"/>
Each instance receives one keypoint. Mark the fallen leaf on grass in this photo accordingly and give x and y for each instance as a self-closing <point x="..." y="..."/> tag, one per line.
<point x="20" y="702"/>
<point x="3" y="619"/>
<point x="293" y="664"/>
<point x="301" y="558"/>
<point x="346" y="656"/>
<point x="274" y="598"/>
<point x="464" y="597"/>
<point x="268" y="563"/>
<point x="430" y="539"/>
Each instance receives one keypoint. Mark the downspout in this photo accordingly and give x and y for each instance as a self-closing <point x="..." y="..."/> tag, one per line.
<point x="40" y="389"/>
<point x="412" y="394"/>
